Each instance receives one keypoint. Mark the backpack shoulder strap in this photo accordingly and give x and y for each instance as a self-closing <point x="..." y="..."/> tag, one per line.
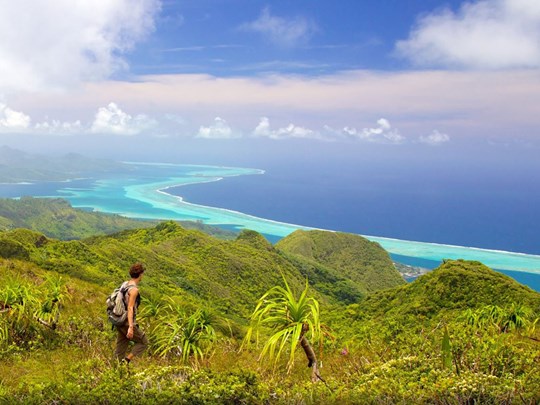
<point x="126" y="288"/>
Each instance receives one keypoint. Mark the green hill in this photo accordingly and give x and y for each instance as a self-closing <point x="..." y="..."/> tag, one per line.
<point x="56" y="218"/>
<point x="429" y="341"/>
<point x="454" y="286"/>
<point x="229" y="274"/>
<point x="352" y="257"/>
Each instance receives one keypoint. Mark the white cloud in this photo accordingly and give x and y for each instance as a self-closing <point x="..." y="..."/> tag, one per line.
<point x="263" y="130"/>
<point x="219" y="130"/>
<point x="112" y="120"/>
<point x="469" y="104"/>
<point x="57" y="127"/>
<point x="58" y="43"/>
<point x="13" y="120"/>
<point x="382" y="133"/>
<point x="484" y="34"/>
<point x="281" y="31"/>
<point x="435" y="138"/>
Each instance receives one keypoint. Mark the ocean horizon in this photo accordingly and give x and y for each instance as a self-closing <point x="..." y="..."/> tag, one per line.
<point x="210" y="194"/>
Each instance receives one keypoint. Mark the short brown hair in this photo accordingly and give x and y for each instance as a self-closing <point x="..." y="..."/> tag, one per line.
<point x="136" y="270"/>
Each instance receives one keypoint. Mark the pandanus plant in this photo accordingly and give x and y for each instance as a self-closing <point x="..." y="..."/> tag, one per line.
<point x="505" y="319"/>
<point x="293" y="320"/>
<point x="54" y="295"/>
<point x="187" y="336"/>
<point x="17" y="304"/>
<point x="22" y="304"/>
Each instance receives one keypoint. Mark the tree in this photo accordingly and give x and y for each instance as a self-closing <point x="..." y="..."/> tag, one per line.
<point x="293" y="321"/>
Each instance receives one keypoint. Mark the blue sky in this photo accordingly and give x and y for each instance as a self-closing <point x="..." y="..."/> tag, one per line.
<point x="416" y="74"/>
<point x="247" y="37"/>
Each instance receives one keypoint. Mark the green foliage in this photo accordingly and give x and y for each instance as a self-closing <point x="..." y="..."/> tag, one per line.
<point x="97" y="382"/>
<point x="254" y="239"/>
<point x="181" y="335"/>
<point x="351" y="256"/>
<point x="18" y="303"/>
<point x="460" y="334"/>
<point x="446" y="350"/>
<point x="289" y="317"/>
<point x="55" y="218"/>
<point x="54" y="294"/>
<point x="454" y="286"/>
<point x="505" y="319"/>
<point x="327" y="280"/>
<point x="28" y="312"/>
<point x="11" y="249"/>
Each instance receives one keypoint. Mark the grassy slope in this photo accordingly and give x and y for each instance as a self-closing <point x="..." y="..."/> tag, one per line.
<point x="454" y="286"/>
<point x="351" y="256"/>
<point x="231" y="275"/>
<point x="228" y="275"/>
<point x="390" y="358"/>
<point x="437" y="297"/>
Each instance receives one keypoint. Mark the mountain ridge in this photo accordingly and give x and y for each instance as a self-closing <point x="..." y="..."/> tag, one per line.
<point x="382" y="345"/>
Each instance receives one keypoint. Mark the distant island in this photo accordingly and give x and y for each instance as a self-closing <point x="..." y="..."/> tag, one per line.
<point x="18" y="166"/>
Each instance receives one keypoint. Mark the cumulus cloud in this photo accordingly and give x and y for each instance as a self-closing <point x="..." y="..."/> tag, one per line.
<point x="57" y="43"/>
<point x="435" y="138"/>
<point x="112" y="120"/>
<point x="13" y="120"/>
<point x="219" y="130"/>
<point x="263" y="130"/>
<point x="57" y="127"/>
<point x="281" y="31"/>
<point x="383" y="132"/>
<point x="484" y="34"/>
<point x="466" y="103"/>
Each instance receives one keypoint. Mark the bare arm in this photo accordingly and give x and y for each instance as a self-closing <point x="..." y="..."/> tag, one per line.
<point x="132" y="296"/>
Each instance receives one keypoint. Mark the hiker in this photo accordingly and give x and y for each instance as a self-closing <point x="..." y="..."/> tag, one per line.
<point x="130" y="331"/>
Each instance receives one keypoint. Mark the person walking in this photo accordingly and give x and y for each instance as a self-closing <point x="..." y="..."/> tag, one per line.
<point x="130" y="331"/>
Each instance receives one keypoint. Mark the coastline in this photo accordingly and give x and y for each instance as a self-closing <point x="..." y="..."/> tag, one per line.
<point x="153" y="200"/>
<point x="498" y="259"/>
<point x="504" y="260"/>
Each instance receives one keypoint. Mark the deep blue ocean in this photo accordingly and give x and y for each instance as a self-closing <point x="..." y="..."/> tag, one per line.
<point x="494" y="215"/>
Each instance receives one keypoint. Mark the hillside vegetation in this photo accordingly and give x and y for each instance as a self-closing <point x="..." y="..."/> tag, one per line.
<point x="199" y="268"/>
<point x="56" y="218"/>
<point x="354" y="258"/>
<point x="459" y="334"/>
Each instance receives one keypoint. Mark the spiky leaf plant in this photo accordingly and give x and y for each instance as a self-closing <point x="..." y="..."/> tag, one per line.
<point x="293" y="320"/>
<point x="446" y="350"/>
<point x="186" y="336"/>
<point x="54" y="293"/>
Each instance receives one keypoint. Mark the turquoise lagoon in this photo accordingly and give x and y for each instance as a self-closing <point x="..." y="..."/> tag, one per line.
<point x="141" y="192"/>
